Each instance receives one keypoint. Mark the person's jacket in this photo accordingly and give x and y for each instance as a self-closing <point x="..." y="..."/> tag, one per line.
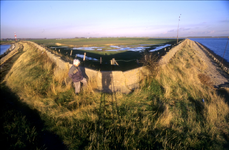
<point x="75" y="74"/>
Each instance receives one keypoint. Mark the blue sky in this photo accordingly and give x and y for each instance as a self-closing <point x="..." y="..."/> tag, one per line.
<point x="61" y="19"/>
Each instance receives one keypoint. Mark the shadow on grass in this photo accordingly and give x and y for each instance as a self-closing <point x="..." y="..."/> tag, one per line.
<point x="223" y="91"/>
<point x="199" y="108"/>
<point x="22" y="127"/>
<point x="110" y="134"/>
<point x="11" y="109"/>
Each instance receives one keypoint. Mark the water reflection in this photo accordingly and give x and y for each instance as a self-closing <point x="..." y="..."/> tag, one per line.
<point x="159" y="47"/>
<point x="86" y="57"/>
<point x="115" y="48"/>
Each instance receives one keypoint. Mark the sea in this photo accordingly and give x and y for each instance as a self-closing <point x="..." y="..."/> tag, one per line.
<point x="4" y="48"/>
<point x="217" y="45"/>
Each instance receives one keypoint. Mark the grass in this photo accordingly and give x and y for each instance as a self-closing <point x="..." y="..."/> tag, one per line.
<point x="100" y="41"/>
<point x="126" y="59"/>
<point x="4" y="58"/>
<point x="17" y="130"/>
<point x="167" y="112"/>
<point x="7" y="42"/>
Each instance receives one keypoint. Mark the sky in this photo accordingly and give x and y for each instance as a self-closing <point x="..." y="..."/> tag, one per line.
<point x="70" y="19"/>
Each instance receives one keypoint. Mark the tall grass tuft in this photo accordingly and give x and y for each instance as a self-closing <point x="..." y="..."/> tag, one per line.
<point x="150" y="61"/>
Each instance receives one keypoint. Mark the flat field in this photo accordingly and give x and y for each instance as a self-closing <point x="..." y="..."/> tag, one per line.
<point x="78" y="42"/>
<point x="7" y="42"/>
<point x="125" y="58"/>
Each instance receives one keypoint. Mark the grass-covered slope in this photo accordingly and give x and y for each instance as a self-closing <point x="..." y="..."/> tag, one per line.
<point x="167" y="112"/>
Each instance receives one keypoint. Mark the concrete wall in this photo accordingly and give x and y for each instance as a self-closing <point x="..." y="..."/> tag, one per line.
<point x="112" y="81"/>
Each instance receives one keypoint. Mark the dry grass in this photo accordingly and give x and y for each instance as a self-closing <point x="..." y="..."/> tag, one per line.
<point x="58" y="44"/>
<point x="182" y="73"/>
<point x="166" y="113"/>
<point x="11" y="54"/>
<point x="184" y="83"/>
<point x="32" y="77"/>
<point x="151" y="63"/>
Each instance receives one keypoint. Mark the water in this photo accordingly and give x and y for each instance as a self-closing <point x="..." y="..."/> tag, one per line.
<point x="159" y="47"/>
<point x="4" y="48"/>
<point x="59" y="47"/>
<point x="87" y="48"/>
<point x="122" y="48"/>
<point x="217" y="45"/>
<point x="86" y="57"/>
<point x="133" y="49"/>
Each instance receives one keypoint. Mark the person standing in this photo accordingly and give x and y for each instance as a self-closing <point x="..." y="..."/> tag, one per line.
<point x="76" y="75"/>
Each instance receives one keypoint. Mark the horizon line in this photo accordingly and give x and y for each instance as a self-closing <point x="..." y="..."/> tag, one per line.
<point x="114" y="37"/>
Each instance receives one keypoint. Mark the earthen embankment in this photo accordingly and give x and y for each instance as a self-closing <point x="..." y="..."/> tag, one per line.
<point x="10" y="52"/>
<point x="112" y="81"/>
<point x="219" y="60"/>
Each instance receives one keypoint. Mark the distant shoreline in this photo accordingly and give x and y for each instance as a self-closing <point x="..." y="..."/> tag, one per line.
<point x="209" y="37"/>
<point x="12" y="46"/>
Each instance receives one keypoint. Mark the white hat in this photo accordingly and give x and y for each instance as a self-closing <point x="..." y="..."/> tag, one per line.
<point x="76" y="62"/>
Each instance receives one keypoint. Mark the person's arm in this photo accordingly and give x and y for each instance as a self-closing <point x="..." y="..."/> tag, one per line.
<point x="70" y="73"/>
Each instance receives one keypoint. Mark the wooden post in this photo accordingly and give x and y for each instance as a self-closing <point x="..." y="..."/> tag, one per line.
<point x="100" y="65"/>
<point x="165" y="49"/>
<point x="84" y="56"/>
<point x="116" y="62"/>
<point x="71" y="53"/>
<point x="113" y="62"/>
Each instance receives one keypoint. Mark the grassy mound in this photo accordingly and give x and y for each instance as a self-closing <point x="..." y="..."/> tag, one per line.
<point x="167" y="112"/>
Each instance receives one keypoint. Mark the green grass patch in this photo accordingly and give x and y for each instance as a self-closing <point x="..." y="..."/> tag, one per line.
<point x="102" y="41"/>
